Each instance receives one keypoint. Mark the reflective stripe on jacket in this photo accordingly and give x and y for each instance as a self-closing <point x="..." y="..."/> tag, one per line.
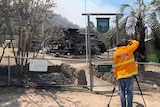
<point x="124" y="63"/>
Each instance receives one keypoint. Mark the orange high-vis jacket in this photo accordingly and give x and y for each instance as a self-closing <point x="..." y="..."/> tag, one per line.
<point x="124" y="63"/>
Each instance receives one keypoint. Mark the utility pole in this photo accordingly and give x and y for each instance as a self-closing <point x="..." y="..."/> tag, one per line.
<point x="86" y="35"/>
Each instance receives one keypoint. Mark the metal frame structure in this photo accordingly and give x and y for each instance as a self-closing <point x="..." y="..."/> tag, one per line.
<point x="89" y="44"/>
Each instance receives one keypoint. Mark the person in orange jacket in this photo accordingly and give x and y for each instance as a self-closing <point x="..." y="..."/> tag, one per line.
<point x="125" y="69"/>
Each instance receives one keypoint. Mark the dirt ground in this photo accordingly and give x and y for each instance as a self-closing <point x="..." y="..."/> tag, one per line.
<point x="70" y="97"/>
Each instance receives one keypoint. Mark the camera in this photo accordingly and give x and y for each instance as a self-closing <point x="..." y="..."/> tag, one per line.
<point x="129" y="42"/>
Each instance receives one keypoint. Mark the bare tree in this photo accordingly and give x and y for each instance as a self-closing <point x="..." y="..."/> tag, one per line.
<point x="24" y="18"/>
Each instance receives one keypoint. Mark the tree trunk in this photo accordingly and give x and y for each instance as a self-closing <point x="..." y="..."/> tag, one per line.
<point x="140" y="52"/>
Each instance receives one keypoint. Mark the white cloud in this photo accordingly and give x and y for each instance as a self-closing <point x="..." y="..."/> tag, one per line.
<point x="73" y="9"/>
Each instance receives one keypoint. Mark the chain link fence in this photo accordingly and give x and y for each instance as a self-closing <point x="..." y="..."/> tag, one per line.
<point x="47" y="72"/>
<point x="68" y="72"/>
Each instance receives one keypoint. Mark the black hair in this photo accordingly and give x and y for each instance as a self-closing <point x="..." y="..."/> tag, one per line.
<point x="123" y="42"/>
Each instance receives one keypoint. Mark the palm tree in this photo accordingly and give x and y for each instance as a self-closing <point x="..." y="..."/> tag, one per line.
<point x="138" y="17"/>
<point x="155" y="26"/>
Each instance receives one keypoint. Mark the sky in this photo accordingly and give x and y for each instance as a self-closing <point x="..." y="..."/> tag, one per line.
<point x="73" y="9"/>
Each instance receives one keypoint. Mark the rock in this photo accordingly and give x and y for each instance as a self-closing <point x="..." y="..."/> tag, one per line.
<point x="155" y="86"/>
<point x="81" y="77"/>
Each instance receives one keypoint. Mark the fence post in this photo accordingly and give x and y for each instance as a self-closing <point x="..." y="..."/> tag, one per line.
<point x="89" y="55"/>
<point x="8" y="70"/>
